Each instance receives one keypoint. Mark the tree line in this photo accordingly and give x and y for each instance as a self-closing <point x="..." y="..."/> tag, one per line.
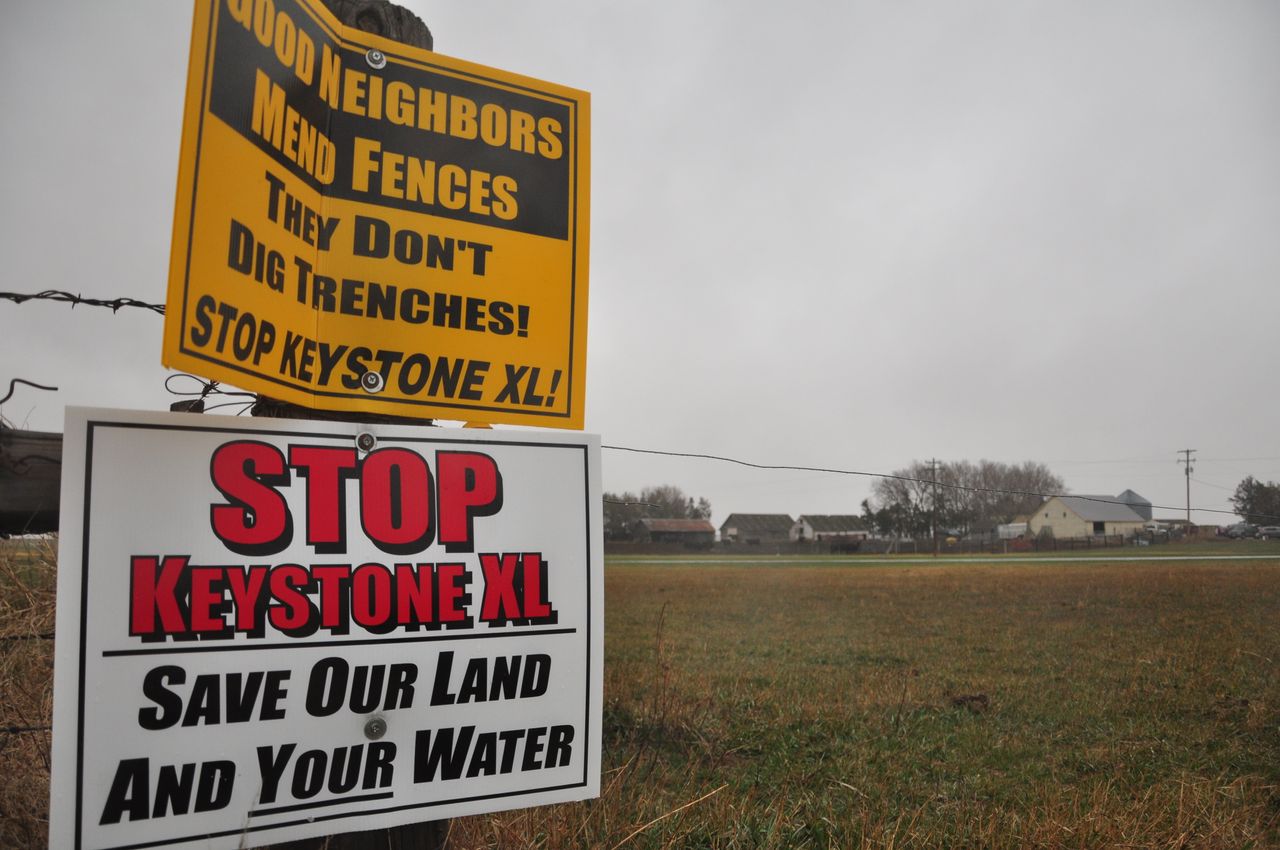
<point x="1257" y="502"/>
<point x="957" y="496"/>
<point x="623" y="510"/>
<point x="967" y="498"/>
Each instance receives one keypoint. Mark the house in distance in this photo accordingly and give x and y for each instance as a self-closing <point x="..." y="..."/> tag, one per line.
<point x="829" y="528"/>
<point x="693" y="533"/>
<point x="756" y="529"/>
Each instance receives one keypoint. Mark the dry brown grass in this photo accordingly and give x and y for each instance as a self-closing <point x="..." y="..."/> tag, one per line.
<point x="964" y="705"/>
<point x="27" y="577"/>
<point x="1126" y="705"/>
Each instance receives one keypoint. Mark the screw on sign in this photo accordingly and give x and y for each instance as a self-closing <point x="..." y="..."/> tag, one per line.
<point x="371" y="381"/>
<point x="386" y="19"/>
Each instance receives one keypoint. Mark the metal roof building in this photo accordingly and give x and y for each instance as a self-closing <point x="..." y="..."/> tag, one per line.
<point x="1089" y="516"/>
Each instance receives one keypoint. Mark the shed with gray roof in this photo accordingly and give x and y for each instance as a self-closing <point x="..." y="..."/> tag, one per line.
<point x="839" y="527"/>
<point x="1090" y="516"/>
<point x="755" y="529"/>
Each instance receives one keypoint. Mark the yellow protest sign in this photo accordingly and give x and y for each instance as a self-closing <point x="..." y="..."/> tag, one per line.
<point x="362" y="225"/>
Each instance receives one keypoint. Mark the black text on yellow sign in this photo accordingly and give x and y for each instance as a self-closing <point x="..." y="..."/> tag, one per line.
<point x="344" y="214"/>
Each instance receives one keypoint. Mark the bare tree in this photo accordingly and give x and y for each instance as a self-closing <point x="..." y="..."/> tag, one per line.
<point x="968" y="497"/>
<point x="665" y="501"/>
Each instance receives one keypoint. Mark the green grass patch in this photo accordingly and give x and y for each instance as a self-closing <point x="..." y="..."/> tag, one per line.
<point x="27" y="584"/>
<point x="1208" y="547"/>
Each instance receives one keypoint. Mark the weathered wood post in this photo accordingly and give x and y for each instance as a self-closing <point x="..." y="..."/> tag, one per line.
<point x="386" y="19"/>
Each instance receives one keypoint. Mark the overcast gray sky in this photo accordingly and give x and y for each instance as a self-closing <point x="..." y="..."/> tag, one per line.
<point x="826" y="234"/>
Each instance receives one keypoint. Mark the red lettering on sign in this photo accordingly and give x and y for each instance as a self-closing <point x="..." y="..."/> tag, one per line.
<point x="255" y="520"/>
<point x="171" y="597"/>
<point x="293" y="610"/>
<point x="403" y="507"/>
<point x="205" y="601"/>
<point x="470" y="487"/>
<point x="395" y="501"/>
<point x="330" y="578"/>
<point x="371" y="601"/>
<point x="326" y="469"/>
<point x="500" y="600"/>
<point x="246" y="586"/>
<point x="451" y="587"/>
<point x="536" y="606"/>
<point x="515" y="589"/>
<point x="154" y="594"/>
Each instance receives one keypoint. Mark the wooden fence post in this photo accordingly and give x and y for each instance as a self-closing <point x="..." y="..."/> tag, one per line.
<point x="386" y="19"/>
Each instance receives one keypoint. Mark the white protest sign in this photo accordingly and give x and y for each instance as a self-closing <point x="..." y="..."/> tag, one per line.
<point x="271" y="629"/>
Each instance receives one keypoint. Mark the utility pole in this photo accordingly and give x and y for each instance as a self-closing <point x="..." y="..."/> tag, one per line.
<point x="933" y="471"/>
<point x="1186" y="459"/>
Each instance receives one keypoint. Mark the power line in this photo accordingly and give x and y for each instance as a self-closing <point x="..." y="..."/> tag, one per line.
<point x="1113" y="460"/>
<point x="1214" y="486"/>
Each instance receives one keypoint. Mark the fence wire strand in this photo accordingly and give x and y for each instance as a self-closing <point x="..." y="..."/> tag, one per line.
<point x="24" y="381"/>
<point x="114" y="304"/>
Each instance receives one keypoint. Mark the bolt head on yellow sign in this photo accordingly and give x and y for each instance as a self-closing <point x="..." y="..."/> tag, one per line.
<point x="363" y="225"/>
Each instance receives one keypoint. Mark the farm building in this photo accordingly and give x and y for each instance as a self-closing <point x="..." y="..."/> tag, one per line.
<point x="1090" y="516"/>
<point x="829" y="527"/>
<point x="755" y="529"/>
<point x="1140" y="505"/>
<point x="690" y="532"/>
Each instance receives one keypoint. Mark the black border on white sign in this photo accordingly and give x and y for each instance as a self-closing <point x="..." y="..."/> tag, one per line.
<point x="92" y="425"/>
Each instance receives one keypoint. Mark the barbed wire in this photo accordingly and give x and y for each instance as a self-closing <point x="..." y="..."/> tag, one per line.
<point x="115" y="304"/>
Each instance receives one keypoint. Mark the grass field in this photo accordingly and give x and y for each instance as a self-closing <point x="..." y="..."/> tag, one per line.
<point x="958" y="704"/>
<point x="1003" y="705"/>
<point x="27" y="579"/>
